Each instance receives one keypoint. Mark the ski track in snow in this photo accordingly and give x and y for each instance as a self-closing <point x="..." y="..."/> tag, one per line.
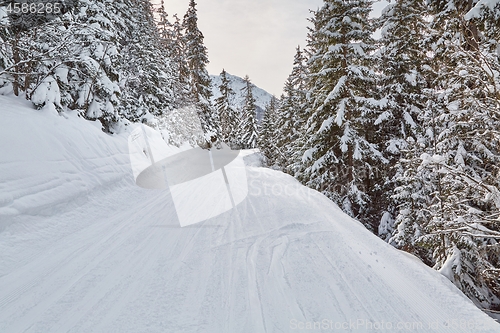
<point x="131" y="268"/>
<point x="111" y="257"/>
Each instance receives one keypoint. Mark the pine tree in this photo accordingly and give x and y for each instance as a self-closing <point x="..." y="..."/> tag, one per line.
<point x="197" y="60"/>
<point x="342" y="154"/>
<point x="403" y="63"/>
<point x="147" y="85"/>
<point x="165" y="27"/>
<point x="461" y="230"/>
<point x="292" y="116"/>
<point x="172" y="38"/>
<point x="286" y="122"/>
<point x="298" y="78"/>
<point x="268" y="134"/>
<point x="447" y="185"/>
<point x="248" y="125"/>
<point x="68" y="63"/>
<point x="5" y="51"/>
<point x="226" y="113"/>
<point x="175" y="46"/>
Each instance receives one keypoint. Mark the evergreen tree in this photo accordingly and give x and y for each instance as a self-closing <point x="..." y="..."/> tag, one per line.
<point x="300" y="74"/>
<point x="226" y="113"/>
<point x="298" y="78"/>
<point x="268" y="134"/>
<point x="405" y="77"/>
<point x="175" y="46"/>
<point x="286" y="119"/>
<point x="448" y="192"/>
<point x="292" y="116"/>
<point x="147" y="85"/>
<point x="165" y="28"/>
<point x="69" y="67"/>
<point x="407" y="144"/>
<point x="342" y="154"/>
<point x="172" y="39"/>
<point x="248" y="125"/>
<point x="197" y="60"/>
<point x="461" y="231"/>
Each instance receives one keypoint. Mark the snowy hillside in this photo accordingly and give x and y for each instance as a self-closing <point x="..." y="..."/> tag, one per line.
<point x="83" y="249"/>
<point x="262" y="97"/>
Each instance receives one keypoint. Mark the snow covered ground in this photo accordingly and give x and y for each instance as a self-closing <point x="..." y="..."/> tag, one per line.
<point x="83" y="249"/>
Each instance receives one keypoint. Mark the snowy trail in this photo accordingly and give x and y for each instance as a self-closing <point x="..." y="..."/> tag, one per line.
<point x="129" y="267"/>
<point x="83" y="249"/>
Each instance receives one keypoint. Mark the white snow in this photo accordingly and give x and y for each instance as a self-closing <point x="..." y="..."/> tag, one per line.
<point x="83" y="249"/>
<point x="452" y="260"/>
<point x="326" y="125"/>
<point x="340" y="117"/>
<point x="408" y="118"/>
<point x="476" y="11"/>
<point x="308" y="154"/>
<point x="434" y="159"/>
<point x="411" y="78"/>
<point x="383" y="117"/>
<point x="336" y="90"/>
<point x="386" y="225"/>
<point x="47" y="92"/>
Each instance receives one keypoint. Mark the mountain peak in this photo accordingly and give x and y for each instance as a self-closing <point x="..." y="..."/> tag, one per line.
<point x="262" y="97"/>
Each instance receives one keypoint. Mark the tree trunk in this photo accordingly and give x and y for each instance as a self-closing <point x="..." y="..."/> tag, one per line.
<point x="471" y="33"/>
<point x="17" y="58"/>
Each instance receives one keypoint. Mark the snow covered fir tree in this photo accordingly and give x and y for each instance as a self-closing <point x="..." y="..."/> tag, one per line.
<point x="402" y="132"/>
<point x="341" y="155"/>
<point x="196" y="58"/>
<point x="226" y="113"/>
<point x="268" y="133"/>
<point x="248" y="131"/>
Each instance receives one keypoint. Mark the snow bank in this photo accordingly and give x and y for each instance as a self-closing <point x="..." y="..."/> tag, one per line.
<point x="48" y="161"/>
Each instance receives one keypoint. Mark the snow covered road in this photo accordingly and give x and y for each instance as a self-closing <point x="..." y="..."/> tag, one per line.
<point x="282" y="261"/>
<point x="286" y="260"/>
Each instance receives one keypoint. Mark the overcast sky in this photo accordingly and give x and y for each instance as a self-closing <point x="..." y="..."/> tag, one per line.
<point x="254" y="37"/>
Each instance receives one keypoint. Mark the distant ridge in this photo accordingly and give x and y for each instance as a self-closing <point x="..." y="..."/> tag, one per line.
<point x="262" y="97"/>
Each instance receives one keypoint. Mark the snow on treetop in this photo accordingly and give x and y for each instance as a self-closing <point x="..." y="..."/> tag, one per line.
<point x="478" y="10"/>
